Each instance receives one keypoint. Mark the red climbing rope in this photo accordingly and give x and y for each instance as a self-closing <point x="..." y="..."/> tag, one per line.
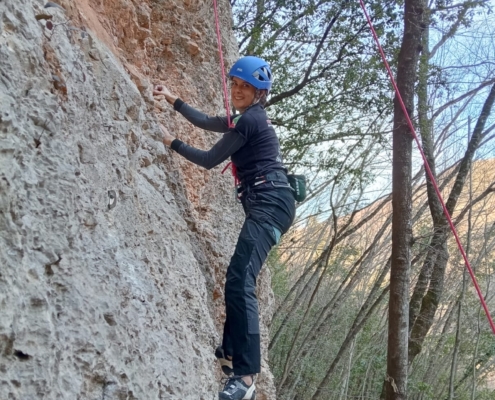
<point x="428" y="170"/>
<point x="222" y="67"/>
<point x="224" y="85"/>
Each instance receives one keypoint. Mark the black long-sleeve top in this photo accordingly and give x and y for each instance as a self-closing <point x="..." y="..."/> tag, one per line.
<point x="251" y="142"/>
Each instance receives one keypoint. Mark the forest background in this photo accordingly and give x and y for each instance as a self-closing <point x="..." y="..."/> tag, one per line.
<point x="332" y="104"/>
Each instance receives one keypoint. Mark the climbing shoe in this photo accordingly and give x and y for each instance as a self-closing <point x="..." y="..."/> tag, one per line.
<point x="236" y="389"/>
<point x="225" y="363"/>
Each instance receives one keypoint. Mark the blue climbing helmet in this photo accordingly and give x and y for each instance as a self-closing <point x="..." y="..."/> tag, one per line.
<point x="254" y="71"/>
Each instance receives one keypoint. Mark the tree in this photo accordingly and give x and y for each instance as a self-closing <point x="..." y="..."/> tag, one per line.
<point x="396" y="380"/>
<point x="429" y="286"/>
<point x="319" y="50"/>
<point x="331" y="274"/>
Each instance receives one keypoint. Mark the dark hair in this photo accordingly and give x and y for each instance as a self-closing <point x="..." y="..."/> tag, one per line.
<point x="263" y="97"/>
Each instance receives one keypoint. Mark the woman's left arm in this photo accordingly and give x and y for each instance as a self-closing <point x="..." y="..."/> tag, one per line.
<point x="223" y="149"/>
<point x="199" y="119"/>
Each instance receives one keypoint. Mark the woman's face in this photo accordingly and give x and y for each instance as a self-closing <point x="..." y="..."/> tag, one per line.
<point x="241" y="93"/>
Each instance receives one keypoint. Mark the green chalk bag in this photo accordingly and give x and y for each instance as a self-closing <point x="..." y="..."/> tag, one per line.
<point x="298" y="185"/>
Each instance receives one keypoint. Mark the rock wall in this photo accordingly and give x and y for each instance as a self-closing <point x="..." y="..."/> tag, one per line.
<point x="113" y="250"/>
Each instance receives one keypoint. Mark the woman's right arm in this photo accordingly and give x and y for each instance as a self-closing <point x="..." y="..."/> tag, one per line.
<point x="197" y="118"/>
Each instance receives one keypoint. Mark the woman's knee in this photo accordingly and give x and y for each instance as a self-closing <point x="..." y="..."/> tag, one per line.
<point x="234" y="289"/>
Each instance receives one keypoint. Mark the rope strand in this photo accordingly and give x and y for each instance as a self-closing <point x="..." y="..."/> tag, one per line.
<point x="224" y="86"/>
<point x="222" y="67"/>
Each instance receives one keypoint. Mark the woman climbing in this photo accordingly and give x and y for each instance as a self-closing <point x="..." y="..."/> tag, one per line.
<point x="268" y="204"/>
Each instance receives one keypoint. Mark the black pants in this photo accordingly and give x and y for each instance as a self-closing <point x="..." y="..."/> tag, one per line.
<point x="269" y="211"/>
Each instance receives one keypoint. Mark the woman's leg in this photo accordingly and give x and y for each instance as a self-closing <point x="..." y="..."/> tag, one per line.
<point x="269" y="214"/>
<point x="242" y="323"/>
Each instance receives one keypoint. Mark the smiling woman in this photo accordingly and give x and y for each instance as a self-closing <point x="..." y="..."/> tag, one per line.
<point x="268" y="203"/>
<point x="241" y="93"/>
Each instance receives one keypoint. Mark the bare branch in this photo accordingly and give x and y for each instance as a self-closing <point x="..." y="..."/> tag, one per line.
<point x="460" y="98"/>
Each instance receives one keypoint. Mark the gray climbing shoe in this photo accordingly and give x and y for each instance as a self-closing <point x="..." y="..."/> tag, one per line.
<point x="236" y="389"/>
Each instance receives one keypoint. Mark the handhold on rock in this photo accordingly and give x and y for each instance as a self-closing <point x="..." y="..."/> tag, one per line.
<point x="52" y="4"/>
<point x="112" y="199"/>
<point x="59" y="83"/>
<point x="93" y="55"/>
<point x="192" y="48"/>
<point x="43" y="16"/>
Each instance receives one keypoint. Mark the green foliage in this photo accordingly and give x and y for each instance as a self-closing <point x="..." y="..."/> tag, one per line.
<point x="425" y="389"/>
<point x="280" y="276"/>
<point x="332" y="103"/>
<point x="330" y="89"/>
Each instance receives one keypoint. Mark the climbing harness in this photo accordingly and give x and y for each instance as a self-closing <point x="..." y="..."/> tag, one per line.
<point x="428" y="170"/>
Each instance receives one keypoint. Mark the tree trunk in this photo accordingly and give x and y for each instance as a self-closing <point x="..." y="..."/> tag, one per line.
<point x="397" y="364"/>
<point x="431" y="299"/>
<point x="453" y="369"/>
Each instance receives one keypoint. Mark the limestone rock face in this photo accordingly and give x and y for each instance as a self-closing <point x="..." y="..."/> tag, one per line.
<point x="113" y="249"/>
